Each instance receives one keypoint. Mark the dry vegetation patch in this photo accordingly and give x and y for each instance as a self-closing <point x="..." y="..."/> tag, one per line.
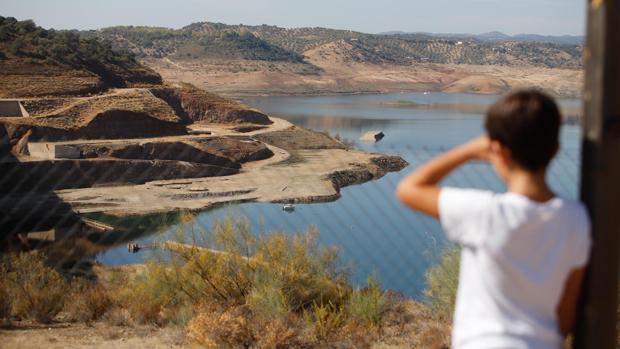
<point x="245" y="291"/>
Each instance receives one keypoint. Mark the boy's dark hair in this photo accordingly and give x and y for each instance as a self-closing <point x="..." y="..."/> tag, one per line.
<point x="527" y="122"/>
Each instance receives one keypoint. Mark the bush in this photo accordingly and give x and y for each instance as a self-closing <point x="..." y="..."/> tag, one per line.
<point x="87" y="301"/>
<point x="5" y="297"/>
<point x="368" y="305"/>
<point x="151" y="296"/>
<point x="267" y="299"/>
<point x="282" y="333"/>
<point x="325" y="319"/>
<point x="442" y="283"/>
<point x="37" y="291"/>
<point x="228" y="329"/>
<point x="308" y="273"/>
<point x="298" y="270"/>
<point x="271" y="281"/>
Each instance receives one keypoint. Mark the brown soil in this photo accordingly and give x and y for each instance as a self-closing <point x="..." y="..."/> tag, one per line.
<point x="409" y="325"/>
<point x="21" y="78"/>
<point x="296" y="138"/>
<point x="126" y="113"/>
<point x="200" y="106"/>
<point x="46" y="175"/>
<point x="337" y="75"/>
<point x="96" y="335"/>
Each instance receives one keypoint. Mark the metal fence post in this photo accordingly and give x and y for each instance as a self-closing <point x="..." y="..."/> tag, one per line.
<point x="600" y="175"/>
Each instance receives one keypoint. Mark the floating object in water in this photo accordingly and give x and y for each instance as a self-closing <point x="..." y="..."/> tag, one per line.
<point x="427" y="93"/>
<point x="133" y="248"/>
<point x="288" y="207"/>
<point x="372" y="136"/>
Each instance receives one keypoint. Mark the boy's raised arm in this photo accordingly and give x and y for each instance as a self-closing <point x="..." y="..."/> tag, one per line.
<point x="420" y="190"/>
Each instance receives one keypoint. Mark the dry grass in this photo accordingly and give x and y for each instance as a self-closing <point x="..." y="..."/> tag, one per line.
<point x="228" y="329"/>
<point x="442" y="283"/>
<point x="87" y="301"/>
<point x="5" y="297"/>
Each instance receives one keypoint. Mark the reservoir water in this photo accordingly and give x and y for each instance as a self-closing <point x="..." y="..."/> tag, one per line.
<point x="376" y="234"/>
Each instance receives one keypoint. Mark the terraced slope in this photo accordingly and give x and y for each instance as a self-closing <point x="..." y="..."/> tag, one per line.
<point x="39" y="62"/>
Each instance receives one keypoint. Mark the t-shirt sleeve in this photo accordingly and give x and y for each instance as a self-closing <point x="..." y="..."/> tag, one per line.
<point x="583" y="240"/>
<point x="462" y="213"/>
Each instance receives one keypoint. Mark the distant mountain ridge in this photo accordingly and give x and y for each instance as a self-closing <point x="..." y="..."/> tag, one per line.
<point x="207" y="40"/>
<point x="496" y="36"/>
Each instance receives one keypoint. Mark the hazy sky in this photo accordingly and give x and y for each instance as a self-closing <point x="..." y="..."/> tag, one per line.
<point x="371" y="16"/>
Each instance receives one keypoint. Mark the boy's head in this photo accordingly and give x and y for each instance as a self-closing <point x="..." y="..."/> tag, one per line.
<point x="527" y="124"/>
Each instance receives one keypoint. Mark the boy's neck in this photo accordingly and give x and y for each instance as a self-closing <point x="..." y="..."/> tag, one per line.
<point x="530" y="184"/>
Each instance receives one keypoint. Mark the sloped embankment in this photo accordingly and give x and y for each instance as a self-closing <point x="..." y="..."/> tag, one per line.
<point x="196" y="105"/>
<point x="39" y="62"/>
<point x="64" y="174"/>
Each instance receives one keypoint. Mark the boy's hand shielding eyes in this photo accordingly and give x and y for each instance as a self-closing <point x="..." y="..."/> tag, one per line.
<point x="479" y="148"/>
<point x="420" y="190"/>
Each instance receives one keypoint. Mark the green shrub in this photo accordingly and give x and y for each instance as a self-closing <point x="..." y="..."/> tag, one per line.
<point x="368" y="305"/>
<point x="325" y="319"/>
<point x="309" y="273"/>
<point x="442" y="283"/>
<point x="151" y="295"/>
<point x="267" y="299"/>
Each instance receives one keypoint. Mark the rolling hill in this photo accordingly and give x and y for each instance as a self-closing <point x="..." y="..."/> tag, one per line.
<point x="264" y="59"/>
<point x="35" y="61"/>
<point x="271" y="43"/>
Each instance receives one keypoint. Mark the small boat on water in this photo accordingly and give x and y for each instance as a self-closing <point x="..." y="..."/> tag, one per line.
<point x="288" y="207"/>
<point x="427" y="93"/>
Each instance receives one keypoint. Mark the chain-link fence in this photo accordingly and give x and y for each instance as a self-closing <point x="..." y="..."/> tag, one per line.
<point x="375" y="233"/>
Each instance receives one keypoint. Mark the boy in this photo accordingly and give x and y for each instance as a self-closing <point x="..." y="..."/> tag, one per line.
<point x="524" y="251"/>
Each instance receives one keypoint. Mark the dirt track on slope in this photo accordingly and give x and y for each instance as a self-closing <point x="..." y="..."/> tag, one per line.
<point x="310" y="178"/>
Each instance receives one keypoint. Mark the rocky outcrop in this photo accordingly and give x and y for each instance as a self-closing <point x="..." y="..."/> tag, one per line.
<point x="363" y="173"/>
<point x="200" y="106"/>
<point x="390" y="163"/>
<point x="296" y="138"/>
<point x="238" y="149"/>
<point x="178" y="151"/>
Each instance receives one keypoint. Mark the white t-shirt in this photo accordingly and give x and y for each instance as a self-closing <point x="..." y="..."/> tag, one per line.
<point x="516" y="256"/>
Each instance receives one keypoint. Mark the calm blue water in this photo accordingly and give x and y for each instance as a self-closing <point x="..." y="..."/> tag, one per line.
<point x="375" y="233"/>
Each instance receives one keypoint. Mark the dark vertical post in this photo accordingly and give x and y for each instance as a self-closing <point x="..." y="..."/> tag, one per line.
<point x="600" y="175"/>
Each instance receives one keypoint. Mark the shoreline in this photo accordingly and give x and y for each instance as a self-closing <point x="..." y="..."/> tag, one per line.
<point x="241" y="96"/>
<point x="302" y="170"/>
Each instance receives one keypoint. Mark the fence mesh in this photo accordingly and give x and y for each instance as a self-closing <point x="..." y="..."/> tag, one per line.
<point x="374" y="232"/>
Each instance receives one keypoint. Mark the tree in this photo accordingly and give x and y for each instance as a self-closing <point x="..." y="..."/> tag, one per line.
<point x="17" y="46"/>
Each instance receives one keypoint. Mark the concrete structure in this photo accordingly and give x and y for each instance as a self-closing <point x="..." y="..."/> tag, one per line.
<point x="53" y="151"/>
<point x="12" y="108"/>
<point x="372" y="136"/>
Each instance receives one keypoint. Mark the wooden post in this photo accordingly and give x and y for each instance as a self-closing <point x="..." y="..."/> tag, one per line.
<point x="600" y="175"/>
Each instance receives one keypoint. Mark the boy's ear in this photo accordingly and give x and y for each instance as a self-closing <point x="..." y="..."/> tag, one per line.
<point x="501" y="151"/>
